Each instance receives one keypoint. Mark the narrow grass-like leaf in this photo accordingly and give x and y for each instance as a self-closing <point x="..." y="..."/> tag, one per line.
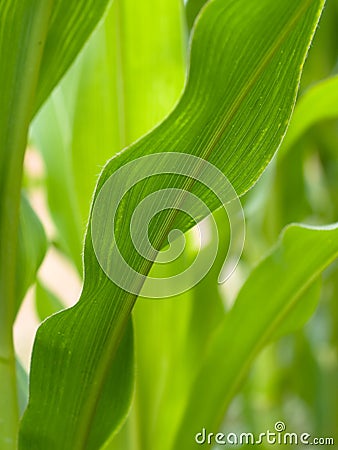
<point x="34" y="35"/>
<point x="266" y="306"/>
<point x="95" y="127"/>
<point x="51" y="134"/>
<point x="192" y="9"/>
<point x="288" y="183"/>
<point x="32" y="246"/>
<point x="302" y="311"/>
<point x="23" y="28"/>
<point x="22" y="384"/>
<point x="319" y="103"/>
<point x="70" y="25"/>
<point x="243" y="78"/>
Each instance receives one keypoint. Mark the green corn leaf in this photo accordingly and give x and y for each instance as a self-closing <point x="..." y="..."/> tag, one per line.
<point x="32" y="247"/>
<point x="86" y="129"/>
<point x="319" y="103"/>
<point x="243" y="78"/>
<point x="271" y="302"/>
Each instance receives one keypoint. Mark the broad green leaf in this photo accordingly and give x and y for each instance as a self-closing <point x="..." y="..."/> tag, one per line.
<point x="320" y="102"/>
<point x="32" y="246"/>
<point x="46" y="302"/>
<point x="266" y="306"/>
<point x="119" y="46"/>
<point x="243" y="78"/>
<point x="85" y="132"/>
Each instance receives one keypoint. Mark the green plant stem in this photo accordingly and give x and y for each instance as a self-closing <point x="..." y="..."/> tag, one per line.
<point x="22" y="78"/>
